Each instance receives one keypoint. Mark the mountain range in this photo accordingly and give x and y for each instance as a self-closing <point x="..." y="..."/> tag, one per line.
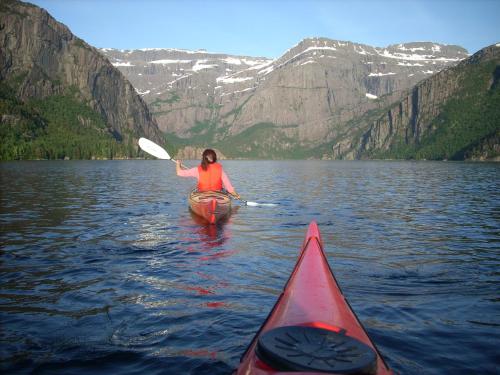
<point x="322" y="98"/>
<point x="287" y="107"/>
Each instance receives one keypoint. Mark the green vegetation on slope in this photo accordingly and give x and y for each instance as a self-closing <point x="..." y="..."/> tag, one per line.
<point x="56" y="127"/>
<point x="261" y="141"/>
<point x="264" y="141"/>
<point x="173" y="98"/>
<point x="19" y="126"/>
<point x="467" y="120"/>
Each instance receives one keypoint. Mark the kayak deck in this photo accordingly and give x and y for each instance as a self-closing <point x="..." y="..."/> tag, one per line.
<point x="213" y="206"/>
<point x="312" y="305"/>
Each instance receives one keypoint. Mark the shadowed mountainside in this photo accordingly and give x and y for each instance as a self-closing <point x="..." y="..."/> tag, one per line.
<point x="59" y="96"/>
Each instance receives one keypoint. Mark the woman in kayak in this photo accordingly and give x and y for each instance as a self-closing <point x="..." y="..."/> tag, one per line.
<point x="210" y="175"/>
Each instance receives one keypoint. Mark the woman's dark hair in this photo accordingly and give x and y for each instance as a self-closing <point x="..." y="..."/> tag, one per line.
<point x="208" y="157"/>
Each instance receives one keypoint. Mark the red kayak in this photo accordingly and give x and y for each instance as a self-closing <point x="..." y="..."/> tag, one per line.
<point x="213" y="206"/>
<point x="312" y="327"/>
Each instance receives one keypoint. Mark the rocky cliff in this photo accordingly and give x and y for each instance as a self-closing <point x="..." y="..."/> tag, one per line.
<point x="309" y="96"/>
<point x="454" y="114"/>
<point x="40" y="58"/>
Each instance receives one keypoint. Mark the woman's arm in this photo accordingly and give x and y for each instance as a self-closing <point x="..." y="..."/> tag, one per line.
<point x="226" y="183"/>
<point x="192" y="172"/>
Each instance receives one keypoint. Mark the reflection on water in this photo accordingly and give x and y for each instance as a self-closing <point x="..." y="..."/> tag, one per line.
<point x="103" y="269"/>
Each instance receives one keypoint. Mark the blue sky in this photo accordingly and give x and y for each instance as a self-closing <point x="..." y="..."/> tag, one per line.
<point x="269" y="28"/>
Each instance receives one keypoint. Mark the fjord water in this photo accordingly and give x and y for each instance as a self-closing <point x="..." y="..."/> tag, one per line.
<point x="104" y="270"/>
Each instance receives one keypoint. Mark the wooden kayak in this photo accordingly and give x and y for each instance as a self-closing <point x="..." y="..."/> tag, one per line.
<point x="213" y="206"/>
<point x="312" y="328"/>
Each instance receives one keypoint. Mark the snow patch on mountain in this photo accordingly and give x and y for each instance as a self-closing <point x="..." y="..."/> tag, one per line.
<point x="142" y="93"/>
<point x="436" y="48"/>
<point x="122" y="63"/>
<point x="414" y="57"/>
<point x="261" y="65"/>
<point x="170" y="61"/>
<point x="178" y="79"/>
<point x="404" y="63"/>
<point x="232" y="61"/>
<point x="403" y="48"/>
<point x="360" y="50"/>
<point x="313" y="49"/>
<point x="266" y="71"/>
<point x="256" y="62"/>
<point x="201" y="64"/>
<point x="380" y="74"/>
<point x="229" y="79"/>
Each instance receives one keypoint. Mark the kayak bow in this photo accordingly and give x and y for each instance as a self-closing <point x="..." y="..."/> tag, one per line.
<point x="312" y="327"/>
<point x="213" y="206"/>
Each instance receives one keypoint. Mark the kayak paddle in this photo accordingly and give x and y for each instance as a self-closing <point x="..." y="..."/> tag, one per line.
<point x="254" y="204"/>
<point x="159" y="152"/>
<point x="153" y="149"/>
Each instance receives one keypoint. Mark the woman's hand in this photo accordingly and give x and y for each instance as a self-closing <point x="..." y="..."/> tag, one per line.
<point x="235" y="195"/>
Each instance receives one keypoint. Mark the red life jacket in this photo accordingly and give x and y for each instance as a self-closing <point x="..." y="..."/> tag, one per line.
<point x="211" y="179"/>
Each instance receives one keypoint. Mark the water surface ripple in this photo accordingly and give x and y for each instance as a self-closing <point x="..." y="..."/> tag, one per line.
<point x="104" y="270"/>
